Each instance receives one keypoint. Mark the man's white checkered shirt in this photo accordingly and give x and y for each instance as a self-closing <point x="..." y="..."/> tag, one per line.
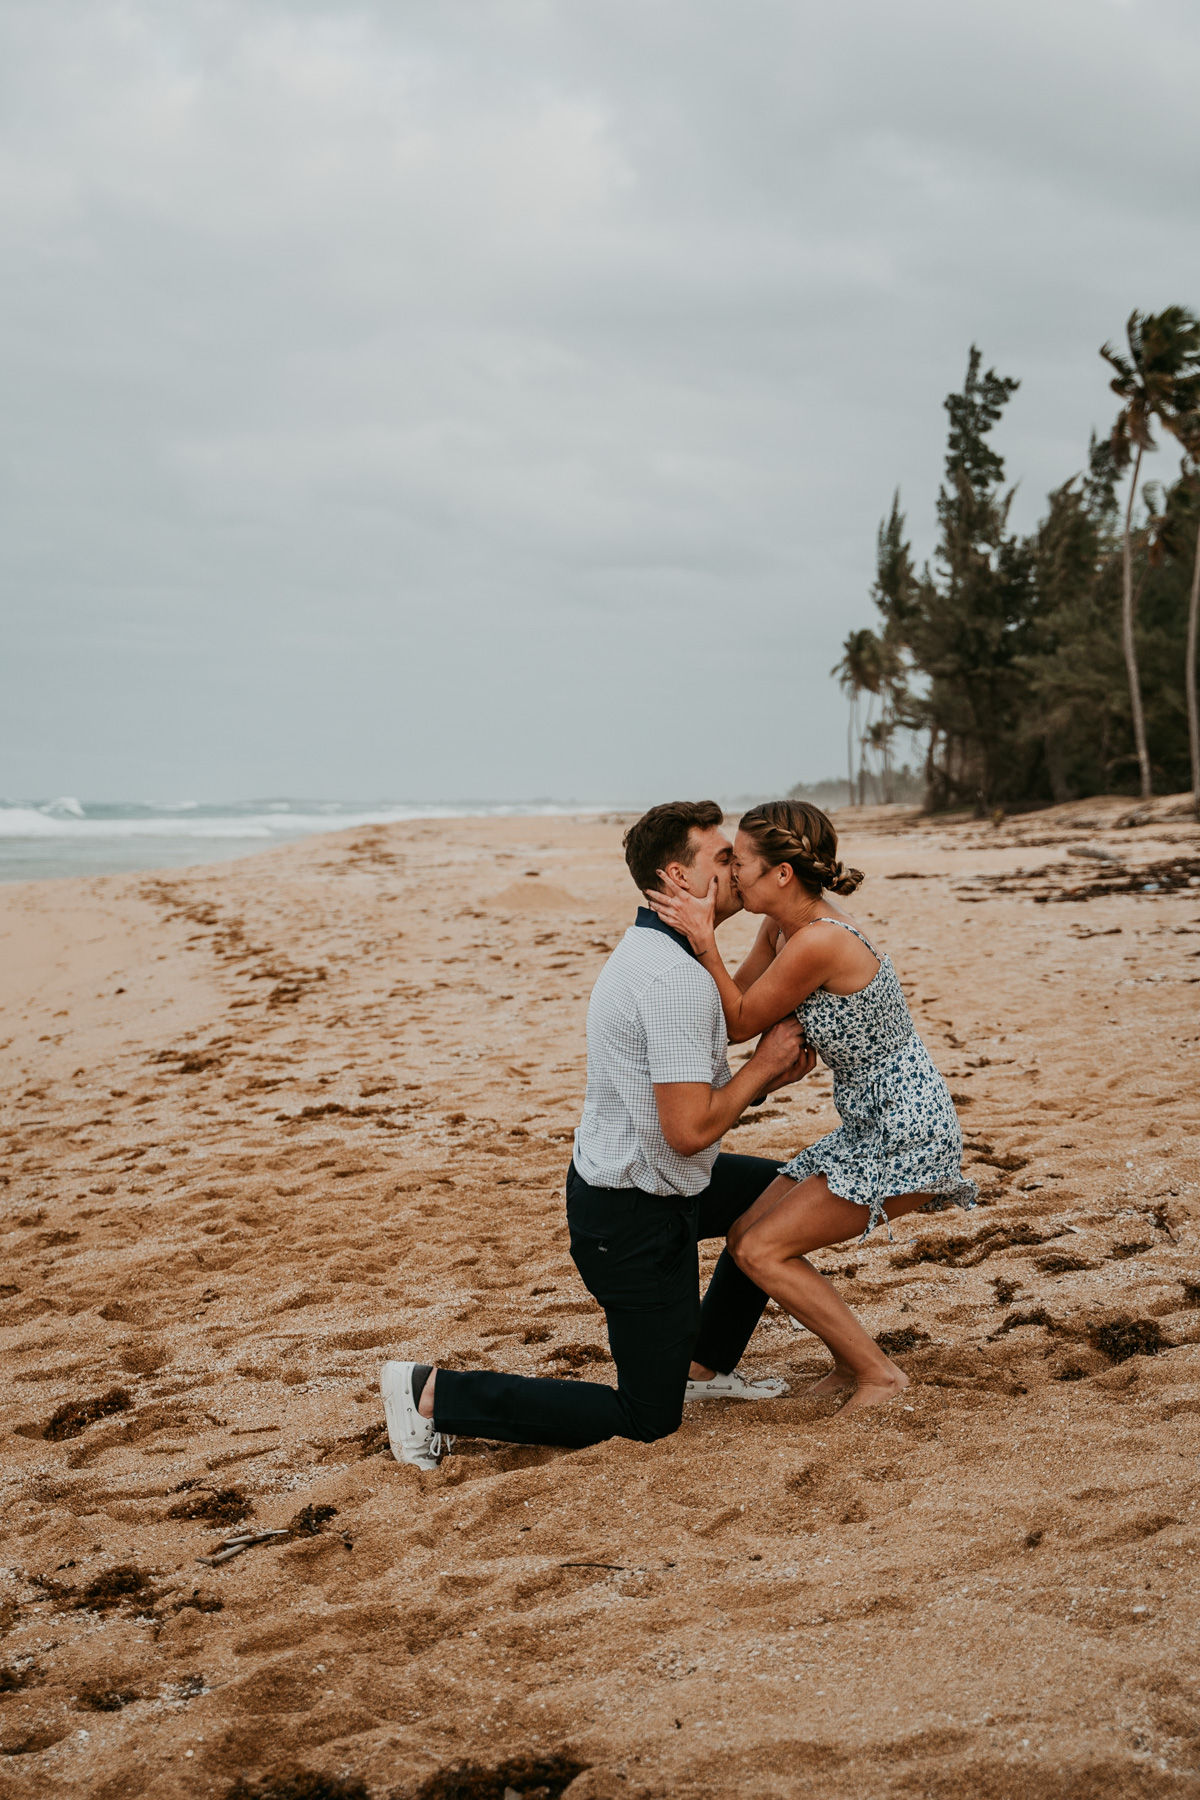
<point x="654" y="1016"/>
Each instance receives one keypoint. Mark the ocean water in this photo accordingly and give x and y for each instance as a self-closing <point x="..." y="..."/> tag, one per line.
<point x="44" y="839"/>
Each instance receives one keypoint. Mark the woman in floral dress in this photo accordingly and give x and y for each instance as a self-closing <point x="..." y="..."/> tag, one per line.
<point x="899" y="1143"/>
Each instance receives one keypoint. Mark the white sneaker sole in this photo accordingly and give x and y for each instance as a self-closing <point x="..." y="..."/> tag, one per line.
<point x="772" y="1388"/>
<point x="410" y="1436"/>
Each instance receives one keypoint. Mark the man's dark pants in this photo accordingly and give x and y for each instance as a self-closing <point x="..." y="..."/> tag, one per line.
<point x="637" y="1254"/>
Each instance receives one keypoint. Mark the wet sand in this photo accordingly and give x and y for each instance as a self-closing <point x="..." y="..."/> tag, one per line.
<point x="272" y="1121"/>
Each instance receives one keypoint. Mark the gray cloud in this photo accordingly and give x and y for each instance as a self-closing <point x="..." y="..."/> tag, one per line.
<point x="500" y="399"/>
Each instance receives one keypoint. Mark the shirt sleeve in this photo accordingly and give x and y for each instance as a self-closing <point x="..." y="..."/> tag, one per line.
<point x="679" y="1013"/>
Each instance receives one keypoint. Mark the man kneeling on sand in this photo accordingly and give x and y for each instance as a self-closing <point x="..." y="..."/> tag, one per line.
<point x="646" y="1183"/>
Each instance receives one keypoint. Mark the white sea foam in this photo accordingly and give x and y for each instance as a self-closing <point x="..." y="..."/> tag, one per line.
<point x="264" y="819"/>
<point x="41" y="839"/>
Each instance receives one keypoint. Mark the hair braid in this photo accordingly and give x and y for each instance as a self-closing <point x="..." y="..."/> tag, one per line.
<point x="791" y="831"/>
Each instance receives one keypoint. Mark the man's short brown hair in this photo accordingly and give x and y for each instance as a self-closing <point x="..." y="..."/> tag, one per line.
<point x="663" y="835"/>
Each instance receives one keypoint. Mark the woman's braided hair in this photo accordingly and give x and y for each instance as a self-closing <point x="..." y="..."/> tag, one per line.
<point x="791" y="831"/>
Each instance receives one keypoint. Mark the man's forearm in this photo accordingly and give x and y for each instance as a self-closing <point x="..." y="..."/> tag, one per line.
<point x="727" y="1104"/>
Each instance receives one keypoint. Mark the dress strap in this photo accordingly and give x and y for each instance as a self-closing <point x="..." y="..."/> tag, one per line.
<point x="823" y="920"/>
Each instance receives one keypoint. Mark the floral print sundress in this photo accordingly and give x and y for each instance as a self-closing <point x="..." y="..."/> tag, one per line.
<point x="899" y="1132"/>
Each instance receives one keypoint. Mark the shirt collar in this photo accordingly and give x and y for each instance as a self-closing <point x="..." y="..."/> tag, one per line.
<point x="649" y="918"/>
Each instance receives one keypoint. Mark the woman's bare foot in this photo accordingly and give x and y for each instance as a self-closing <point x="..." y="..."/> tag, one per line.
<point x="839" y="1378"/>
<point x="879" y="1388"/>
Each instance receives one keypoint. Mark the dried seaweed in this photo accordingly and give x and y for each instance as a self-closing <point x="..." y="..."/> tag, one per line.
<point x="310" y="1520"/>
<point x="575" y="1356"/>
<point x="1165" y="877"/>
<point x="959" y="1251"/>
<point x="1032" y="1315"/>
<point x="105" y="1699"/>
<point x="220" y="1506"/>
<point x="1128" y="1337"/>
<point x="116" y="1587"/>
<point x="202" y="1600"/>
<point x="76" y="1415"/>
<point x="298" y="1784"/>
<point x="545" y="1776"/>
<point x="907" y="1338"/>
<point x="122" y="1585"/>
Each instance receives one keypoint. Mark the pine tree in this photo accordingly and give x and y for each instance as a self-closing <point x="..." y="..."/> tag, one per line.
<point x="961" y="622"/>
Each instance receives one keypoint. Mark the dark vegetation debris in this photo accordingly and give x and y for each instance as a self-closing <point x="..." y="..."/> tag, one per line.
<point x="310" y="1520"/>
<point x="116" y="1587"/>
<point x="957" y="1250"/>
<point x="95" y="1699"/>
<point x="575" y="1356"/>
<point x="1032" y="1315"/>
<point x="192" y="1062"/>
<point x="124" y="1585"/>
<point x="76" y="1415"/>
<point x="298" y="1784"/>
<point x="1155" y="878"/>
<point x="907" y="1338"/>
<point x="201" y="1599"/>
<point x="373" y="1440"/>
<point x="220" y="1506"/>
<point x="1128" y="1337"/>
<point x="543" y="1776"/>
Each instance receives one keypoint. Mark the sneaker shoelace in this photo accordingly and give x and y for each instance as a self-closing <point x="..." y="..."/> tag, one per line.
<point x="441" y="1444"/>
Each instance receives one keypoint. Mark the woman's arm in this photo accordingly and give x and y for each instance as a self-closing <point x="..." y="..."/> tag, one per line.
<point x="760" y="957"/>
<point x="790" y="977"/>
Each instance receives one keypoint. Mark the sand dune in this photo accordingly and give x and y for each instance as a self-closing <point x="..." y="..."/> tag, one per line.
<point x="268" y="1122"/>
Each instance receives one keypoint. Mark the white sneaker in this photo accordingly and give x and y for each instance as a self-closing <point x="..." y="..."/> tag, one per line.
<point x="413" y="1438"/>
<point x="736" y="1387"/>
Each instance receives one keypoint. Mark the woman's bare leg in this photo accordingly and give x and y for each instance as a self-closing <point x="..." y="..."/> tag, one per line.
<point x="771" y="1243"/>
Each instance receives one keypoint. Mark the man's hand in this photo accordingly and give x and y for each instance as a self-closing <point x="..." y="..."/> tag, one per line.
<point x="780" y="1049"/>
<point x="692" y="1116"/>
<point x="693" y="914"/>
<point x="804" y="1065"/>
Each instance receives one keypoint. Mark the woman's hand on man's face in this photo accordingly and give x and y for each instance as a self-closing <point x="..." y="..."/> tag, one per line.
<point x="685" y="912"/>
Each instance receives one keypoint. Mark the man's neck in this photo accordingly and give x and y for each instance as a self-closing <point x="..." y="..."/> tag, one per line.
<point x="649" y="919"/>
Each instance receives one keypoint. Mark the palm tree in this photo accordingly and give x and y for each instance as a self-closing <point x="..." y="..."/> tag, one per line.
<point x="1155" y="382"/>
<point x="860" y="671"/>
<point x="1193" y="636"/>
<point x="1185" y="425"/>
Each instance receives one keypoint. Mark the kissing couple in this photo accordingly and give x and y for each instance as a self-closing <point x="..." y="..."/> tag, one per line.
<point x="648" y="1179"/>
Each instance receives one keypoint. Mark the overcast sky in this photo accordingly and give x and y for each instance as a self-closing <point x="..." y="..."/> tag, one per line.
<point x="498" y="398"/>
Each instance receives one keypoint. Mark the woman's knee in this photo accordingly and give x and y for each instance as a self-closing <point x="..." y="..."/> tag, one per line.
<point x="751" y="1254"/>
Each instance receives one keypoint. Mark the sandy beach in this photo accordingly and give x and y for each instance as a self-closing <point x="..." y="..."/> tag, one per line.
<point x="270" y="1122"/>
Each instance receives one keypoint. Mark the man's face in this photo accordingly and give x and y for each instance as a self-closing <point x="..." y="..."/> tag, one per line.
<point x="713" y="856"/>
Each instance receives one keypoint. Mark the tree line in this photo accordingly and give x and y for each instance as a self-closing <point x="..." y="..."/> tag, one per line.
<point x="1060" y="664"/>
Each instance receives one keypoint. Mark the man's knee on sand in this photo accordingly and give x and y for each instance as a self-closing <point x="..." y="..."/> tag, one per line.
<point x="651" y="1420"/>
